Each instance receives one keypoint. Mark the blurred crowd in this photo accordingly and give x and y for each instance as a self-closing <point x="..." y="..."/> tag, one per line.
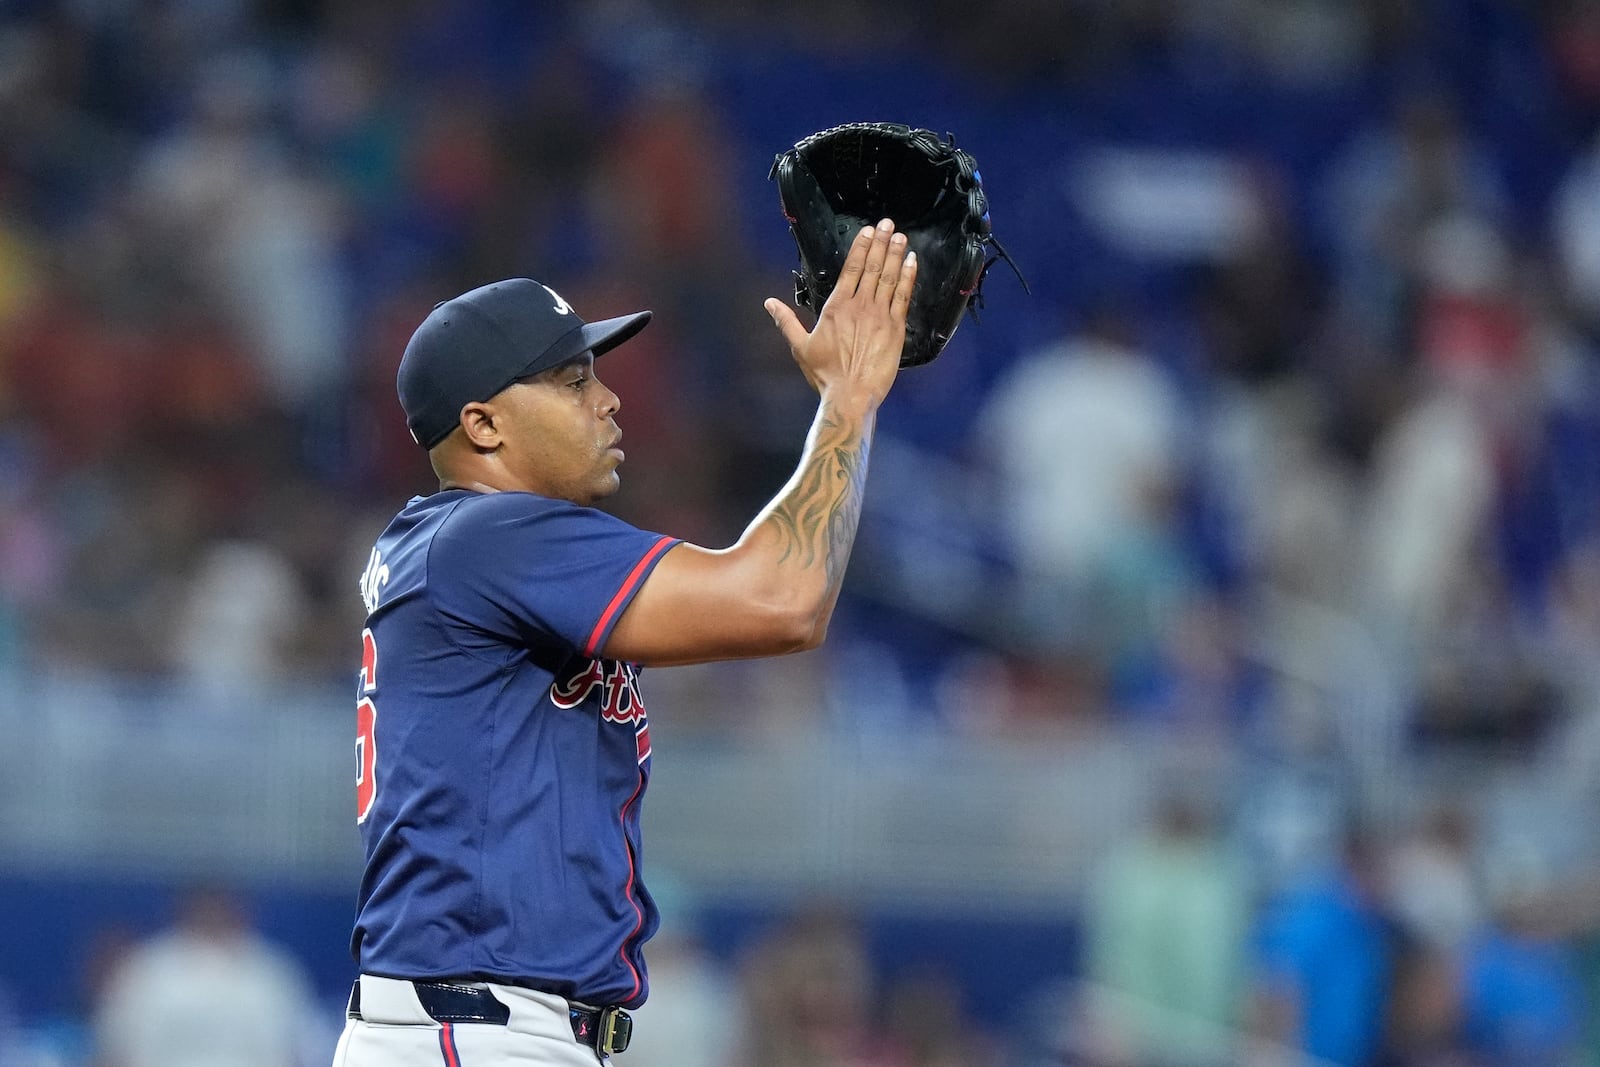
<point x="1295" y="444"/>
<point x="1399" y="950"/>
<point x="1311" y="346"/>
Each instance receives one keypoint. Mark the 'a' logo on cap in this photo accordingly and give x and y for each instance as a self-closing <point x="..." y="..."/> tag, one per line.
<point x="562" y="307"/>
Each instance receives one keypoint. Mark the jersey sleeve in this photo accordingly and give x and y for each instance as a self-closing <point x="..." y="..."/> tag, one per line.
<point x="531" y="570"/>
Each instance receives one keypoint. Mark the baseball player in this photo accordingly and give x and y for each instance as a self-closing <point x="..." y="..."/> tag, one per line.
<point x="503" y="749"/>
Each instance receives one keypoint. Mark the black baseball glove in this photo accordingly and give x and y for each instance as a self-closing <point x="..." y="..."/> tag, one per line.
<point x="835" y="182"/>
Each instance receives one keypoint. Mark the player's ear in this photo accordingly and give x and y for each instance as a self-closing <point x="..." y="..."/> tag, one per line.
<point x="479" y="425"/>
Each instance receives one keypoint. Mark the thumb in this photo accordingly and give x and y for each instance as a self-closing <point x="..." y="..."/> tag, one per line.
<point x="787" y="322"/>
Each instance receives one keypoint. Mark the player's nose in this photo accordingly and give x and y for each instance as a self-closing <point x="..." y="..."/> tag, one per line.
<point x="610" y="402"/>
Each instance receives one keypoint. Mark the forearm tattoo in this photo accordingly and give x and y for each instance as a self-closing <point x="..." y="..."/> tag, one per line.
<point x="817" y="518"/>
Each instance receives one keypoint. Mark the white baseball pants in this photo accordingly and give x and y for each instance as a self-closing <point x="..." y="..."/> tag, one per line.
<point x="395" y="1031"/>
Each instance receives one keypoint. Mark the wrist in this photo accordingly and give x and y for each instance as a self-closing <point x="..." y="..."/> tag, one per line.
<point x="851" y="402"/>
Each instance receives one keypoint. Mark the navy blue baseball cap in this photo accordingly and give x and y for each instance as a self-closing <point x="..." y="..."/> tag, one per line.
<point x="475" y="345"/>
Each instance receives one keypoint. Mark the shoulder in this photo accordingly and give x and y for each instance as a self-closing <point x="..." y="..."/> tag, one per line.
<point x="496" y="513"/>
<point x="480" y="527"/>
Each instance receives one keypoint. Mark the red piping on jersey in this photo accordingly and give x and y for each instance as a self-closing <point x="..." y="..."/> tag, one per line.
<point x="447" y="1044"/>
<point x="627" y="891"/>
<point x="591" y="646"/>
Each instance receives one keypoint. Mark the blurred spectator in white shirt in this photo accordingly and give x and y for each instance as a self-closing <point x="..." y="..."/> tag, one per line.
<point x="263" y="237"/>
<point x="209" y="992"/>
<point x="238" y="617"/>
<point x="1084" y="437"/>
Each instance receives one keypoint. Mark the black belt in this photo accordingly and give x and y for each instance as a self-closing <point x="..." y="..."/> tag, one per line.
<point x="605" y="1030"/>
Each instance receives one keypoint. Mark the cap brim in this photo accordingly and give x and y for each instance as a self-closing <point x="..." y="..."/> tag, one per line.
<point x="597" y="337"/>
<point x="601" y="337"/>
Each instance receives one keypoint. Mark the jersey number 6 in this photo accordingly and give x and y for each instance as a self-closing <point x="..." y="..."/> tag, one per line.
<point x="366" y="725"/>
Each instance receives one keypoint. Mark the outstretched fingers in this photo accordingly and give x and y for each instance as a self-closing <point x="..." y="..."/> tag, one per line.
<point x="889" y="276"/>
<point x="900" y="302"/>
<point x="854" y="261"/>
<point x="877" y="254"/>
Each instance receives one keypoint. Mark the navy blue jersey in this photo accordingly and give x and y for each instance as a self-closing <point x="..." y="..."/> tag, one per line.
<point x="500" y="764"/>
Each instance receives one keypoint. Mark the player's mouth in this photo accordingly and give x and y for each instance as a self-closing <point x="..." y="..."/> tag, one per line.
<point x="616" y="446"/>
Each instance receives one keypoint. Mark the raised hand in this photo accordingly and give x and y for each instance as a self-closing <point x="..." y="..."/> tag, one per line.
<point x="858" y="338"/>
